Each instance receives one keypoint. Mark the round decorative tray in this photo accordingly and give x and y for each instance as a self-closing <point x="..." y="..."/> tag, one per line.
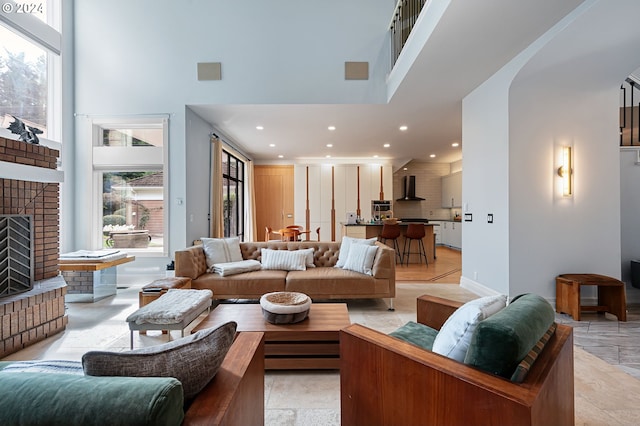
<point x="285" y="307"/>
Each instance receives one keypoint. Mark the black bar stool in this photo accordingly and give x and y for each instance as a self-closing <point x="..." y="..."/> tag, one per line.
<point x="415" y="231"/>
<point x="391" y="232"/>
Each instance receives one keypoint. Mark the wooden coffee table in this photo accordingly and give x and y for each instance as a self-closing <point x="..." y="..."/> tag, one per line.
<point x="310" y="344"/>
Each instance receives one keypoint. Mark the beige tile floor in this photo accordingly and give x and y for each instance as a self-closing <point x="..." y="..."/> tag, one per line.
<point x="605" y="393"/>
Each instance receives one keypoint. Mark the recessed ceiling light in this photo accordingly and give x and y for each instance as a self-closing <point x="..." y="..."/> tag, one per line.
<point x="280" y="156"/>
<point x="455" y="144"/>
<point x="259" y="127"/>
<point x="272" y="145"/>
<point x="403" y="128"/>
<point x="432" y="156"/>
<point x="332" y="128"/>
<point x="329" y="145"/>
<point x="406" y="168"/>
<point x="327" y="156"/>
<point x="387" y="145"/>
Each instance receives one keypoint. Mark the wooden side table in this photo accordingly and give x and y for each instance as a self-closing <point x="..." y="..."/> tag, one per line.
<point x="611" y="295"/>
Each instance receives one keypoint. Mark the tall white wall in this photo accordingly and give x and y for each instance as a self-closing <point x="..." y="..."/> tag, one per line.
<point x="140" y="58"/>
<point x="629" y="210"/>
<point x="565" y="92"/>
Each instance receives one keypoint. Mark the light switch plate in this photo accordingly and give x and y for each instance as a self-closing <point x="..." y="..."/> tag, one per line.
<point x="490" y="218"/>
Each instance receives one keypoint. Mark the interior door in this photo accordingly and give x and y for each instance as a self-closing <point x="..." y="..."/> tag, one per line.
<point x="274" y="198"/>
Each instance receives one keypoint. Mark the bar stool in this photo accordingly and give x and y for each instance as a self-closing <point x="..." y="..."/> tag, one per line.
<point x="415" y="231"/>
<point x="391" y="232"/>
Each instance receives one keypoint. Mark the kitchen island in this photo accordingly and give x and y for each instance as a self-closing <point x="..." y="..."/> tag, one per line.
<point x="372" y="230"/>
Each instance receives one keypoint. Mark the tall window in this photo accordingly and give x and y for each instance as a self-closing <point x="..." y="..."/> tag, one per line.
<point x="233" y="195"/>
<point x="30" y="66"/>
<point x="129" y="165"/>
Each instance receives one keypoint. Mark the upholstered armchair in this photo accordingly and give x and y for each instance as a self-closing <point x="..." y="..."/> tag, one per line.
<point x="385" y="380"/>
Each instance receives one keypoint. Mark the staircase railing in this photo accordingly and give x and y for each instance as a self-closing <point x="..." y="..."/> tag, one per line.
<point x="404" y="18"/>
<point x="629" y="113"/>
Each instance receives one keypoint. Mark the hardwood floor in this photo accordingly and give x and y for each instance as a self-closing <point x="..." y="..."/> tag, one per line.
<point x="446" y="269"/>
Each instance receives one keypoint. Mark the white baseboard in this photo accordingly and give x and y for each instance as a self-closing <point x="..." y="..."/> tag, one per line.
<point x="476" y="287"/>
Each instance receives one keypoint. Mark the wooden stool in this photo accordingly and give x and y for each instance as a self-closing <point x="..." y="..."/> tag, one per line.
<point x="611" y="295"/>
<point x="157" y="288"/>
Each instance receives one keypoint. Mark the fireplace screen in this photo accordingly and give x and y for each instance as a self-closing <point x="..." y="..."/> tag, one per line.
<point x="16" y="254"/>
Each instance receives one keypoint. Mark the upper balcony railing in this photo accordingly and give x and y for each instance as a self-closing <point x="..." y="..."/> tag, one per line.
<point x="404" y="18"/>
<point x="629" y="113"/>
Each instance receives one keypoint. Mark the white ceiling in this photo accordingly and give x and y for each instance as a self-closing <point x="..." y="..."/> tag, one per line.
<point x="471" y="42"/>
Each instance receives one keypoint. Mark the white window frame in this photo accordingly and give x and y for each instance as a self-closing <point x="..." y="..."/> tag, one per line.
<point x="124" y="159"/>
<point x="47" y="37"/>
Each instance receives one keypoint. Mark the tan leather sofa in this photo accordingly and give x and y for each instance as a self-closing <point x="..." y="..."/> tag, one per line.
<point x="322" y="282"/>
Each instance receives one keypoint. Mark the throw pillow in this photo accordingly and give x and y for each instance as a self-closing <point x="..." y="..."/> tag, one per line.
<point x="284" y="260"/>
<point x="453" y="338"/>
<point x="360" y="258"/>
<point x="221" y="250"/>
<point x="347" y="242"/>
<point x="309" y="257"/>
<point x="193" y="359"/>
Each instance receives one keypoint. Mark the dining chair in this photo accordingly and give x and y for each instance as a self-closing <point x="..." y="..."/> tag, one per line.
<point x="271" y="235"/>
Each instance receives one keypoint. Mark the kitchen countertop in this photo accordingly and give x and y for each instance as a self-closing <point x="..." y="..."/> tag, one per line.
<point x="380" y="224"/>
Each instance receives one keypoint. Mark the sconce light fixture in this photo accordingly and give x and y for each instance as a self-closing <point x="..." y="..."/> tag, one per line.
<point x="565" y="171"/>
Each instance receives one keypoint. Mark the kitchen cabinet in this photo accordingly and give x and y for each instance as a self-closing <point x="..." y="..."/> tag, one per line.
<point x="437" y="225"/>
<point x="452" y="190"/>
<point x="451" y="234"/>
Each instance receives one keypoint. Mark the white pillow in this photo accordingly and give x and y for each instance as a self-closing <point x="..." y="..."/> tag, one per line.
<point x="361" y="258"/>
<point x="455" y="335"/>
<point x="309" y="257"/>
<point x="284" y="260"/>
<point x="347" y="242"/>
<point x="221" y="250"/>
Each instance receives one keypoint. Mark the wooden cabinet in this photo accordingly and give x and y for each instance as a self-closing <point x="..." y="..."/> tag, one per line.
<point x="274" y="198"/>
<point x="452" y="190"/>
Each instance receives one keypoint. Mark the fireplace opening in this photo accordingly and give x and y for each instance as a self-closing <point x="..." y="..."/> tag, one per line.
<point x="16" y="254"/>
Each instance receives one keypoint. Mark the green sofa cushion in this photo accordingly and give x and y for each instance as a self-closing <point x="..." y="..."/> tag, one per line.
<point x="68" y="399"/>
<point x="501" y="341"/>
<point x="417" y="334"/>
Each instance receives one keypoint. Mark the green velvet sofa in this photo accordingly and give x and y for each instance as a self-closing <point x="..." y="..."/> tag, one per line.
<point x="235" y="396"/>
<point x="398" y="379"/>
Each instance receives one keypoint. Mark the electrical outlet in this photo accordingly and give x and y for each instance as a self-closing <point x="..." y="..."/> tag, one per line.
<point x="490" y="218"/>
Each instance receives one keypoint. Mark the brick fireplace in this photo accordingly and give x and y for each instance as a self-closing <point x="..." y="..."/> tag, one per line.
<point x="31" y="316"/>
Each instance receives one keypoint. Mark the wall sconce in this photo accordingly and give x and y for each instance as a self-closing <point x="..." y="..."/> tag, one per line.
<point x="565" y="171"/>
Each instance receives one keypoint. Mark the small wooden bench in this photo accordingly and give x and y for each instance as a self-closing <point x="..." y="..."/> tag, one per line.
<point x="174" y="310"/>
<point x="611" y="295"/>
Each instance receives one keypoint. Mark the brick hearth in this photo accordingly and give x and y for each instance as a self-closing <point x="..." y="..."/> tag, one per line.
<point x="34" y="315"/>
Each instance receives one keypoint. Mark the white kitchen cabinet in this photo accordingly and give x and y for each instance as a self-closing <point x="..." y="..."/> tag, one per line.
<point x="451" y="234"/>
<point x="452" y="190"/>
<point x="437" y="225"/>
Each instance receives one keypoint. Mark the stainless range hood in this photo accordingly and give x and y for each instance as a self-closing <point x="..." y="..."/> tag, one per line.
<point x="409" y="189"/>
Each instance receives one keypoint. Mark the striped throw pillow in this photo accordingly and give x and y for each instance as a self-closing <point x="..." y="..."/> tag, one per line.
<point x="284" y="260"/>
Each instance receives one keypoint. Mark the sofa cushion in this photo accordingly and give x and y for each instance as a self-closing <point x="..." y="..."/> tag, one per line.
<point x="194" y="359"/>
<point x="69" y="400"/>
<point x="323" y="282"/>
<point x="503" y="340"/>
<point x="346" y="244"/>
<point x="360" y="258"/>
<point x="221" y="250"/>
<point x="248" y="284"/>
<point x="455" y="334"/>
<point x="417" y="334"/>
<point x="284" y="260"/>
<point x="44" y="366"/>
